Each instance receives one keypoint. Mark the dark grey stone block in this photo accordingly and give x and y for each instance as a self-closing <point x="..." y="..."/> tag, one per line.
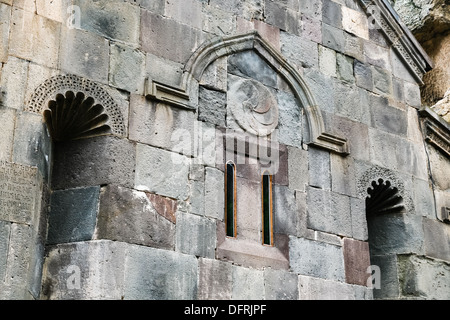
<point x="212" y="106"/>
<point x="73" y="215"/>
<point x="387" y="118"/>
<point x="94" y="161"/>
<point x="118" y="219"/>
<point x="331" y="13"/>
<point x="333" y="38"/>
<point x="363" y="75"/>
<point x="249" y="64"/>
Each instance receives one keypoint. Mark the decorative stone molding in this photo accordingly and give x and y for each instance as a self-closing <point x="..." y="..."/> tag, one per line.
<point x="186" y="95"/>
<point x="401" y="39"/>
<point x="383" y="191"/>
<point x="48" y="91"/>
<point x="436" y="130"/>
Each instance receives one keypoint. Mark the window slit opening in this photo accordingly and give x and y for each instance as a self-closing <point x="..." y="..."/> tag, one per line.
<point x="267" y="219"/>
<point x="230" y="199"/>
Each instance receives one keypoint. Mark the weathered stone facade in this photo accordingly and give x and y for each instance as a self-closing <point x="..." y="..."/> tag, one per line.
<point x="120" y="120"/>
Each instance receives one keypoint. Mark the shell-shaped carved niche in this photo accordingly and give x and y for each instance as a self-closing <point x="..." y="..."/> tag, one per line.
<point x="383" y="198"/>
<point x="74" y="116"/>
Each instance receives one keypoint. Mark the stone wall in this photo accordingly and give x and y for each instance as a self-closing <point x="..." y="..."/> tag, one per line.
<point x="132" y="204"/>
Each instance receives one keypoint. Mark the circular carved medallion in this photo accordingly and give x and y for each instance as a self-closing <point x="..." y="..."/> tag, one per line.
<point x="253" y="106"/>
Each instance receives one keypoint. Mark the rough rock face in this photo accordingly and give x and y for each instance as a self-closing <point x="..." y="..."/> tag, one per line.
<point x="429" y="20"/>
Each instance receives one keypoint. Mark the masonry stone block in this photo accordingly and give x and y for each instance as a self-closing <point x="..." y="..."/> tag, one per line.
<point x="130" y="216"/>
<point x="353" y="46"/>
<point x="382" y="81"/>
<point x="156" y="6"/>
<point x="301" y="52"/>
<point x="311" y="8"/>
<point x="250" y="65"/>
<point x="214" y="279"/>
<point x="359" y="221"/>
<point x="280" y="285"/>
<point x="196" y="235"/>
<point x="160" y="125"/>
<point x="377" y="55"/>
<point x="319" y="168"/>
<point x="5" y="231"/>
<point x="214" y="193"/>
<point x="357" y="261"/>
<point x="248" y="204"/>
<point x="363" y="75"/>
<point x="178" y="47"/>
<point x="351" y="102"/>
<point x="188" y="12"/>
<point x="7" y="118"/>
<point x="111" y="19"/>
<point x="13" y="82"/>
<point x="5" y="17"/>
<point x="126" y="69"/>
<point x="34" y="38"/>
<point x="155" y="274"/>
<point x="317" y="259"/>
<point x="18" y="268"/>
<point x="386" y="117"/>
<point x="32" y="143"/>
<point x="333" y="37"/>
<point x="73" y="215"/>
<point x="412" y="94"/>
<point x="387" y="276"/>
<point x="162" y="172"/>
<point x="215" y="75"/>
<point x="290" y="125"/>
<point x="297" y="168"/>
<point x="437" y="239"/>
<point x="85" y="270"/>
<point x="332" y="13"/>
<point x="329" y="212"/>
<point x="321" y="87"/>
<point x="94" y="161"/>
<point x="355" y="22"/>
<point x="344" y="68"/>
<point x="311" y="28"/>
<point x="343" y="173"/>
<point x="413" y="284"/>
<point x="396" y="233"/>
<point x="217" y="21"/>
<point x="285" y="208"/>
<point x="248" y="284"/>
<point x="85" y="53"/>
<point x="424" y="203"/>
<point x="311" y="288"/>
<point x="212" y="106"/>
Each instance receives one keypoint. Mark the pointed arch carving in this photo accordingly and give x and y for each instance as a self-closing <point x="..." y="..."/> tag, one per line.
<point x="186" y="95"/>
<point x="92" y="111"/>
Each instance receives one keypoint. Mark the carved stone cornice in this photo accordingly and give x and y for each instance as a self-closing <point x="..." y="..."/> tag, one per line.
<point x="436" y="130"/>
<point x="384" y="17"/>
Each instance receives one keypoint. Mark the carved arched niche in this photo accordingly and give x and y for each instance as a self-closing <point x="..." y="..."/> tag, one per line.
<point x="75" y="108"/>
<point x="186" y="95"/>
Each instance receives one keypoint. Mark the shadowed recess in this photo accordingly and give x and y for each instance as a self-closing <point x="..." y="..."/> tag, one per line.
<point x="383" y="198"/>
<point x="71" y="117"/>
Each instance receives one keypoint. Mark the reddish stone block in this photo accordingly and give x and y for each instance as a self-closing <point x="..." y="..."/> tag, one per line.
<point x="164" y="206"/>
<point x="356" y="260"/>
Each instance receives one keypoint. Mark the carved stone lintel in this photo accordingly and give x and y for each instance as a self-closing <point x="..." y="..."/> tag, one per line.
<point x="436" y="131"/>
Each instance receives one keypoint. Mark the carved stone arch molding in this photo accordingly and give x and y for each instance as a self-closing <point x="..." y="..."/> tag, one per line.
<point x="186" y="95"/>
<point x="75" y="108"/>
<point x="384" y="192"/>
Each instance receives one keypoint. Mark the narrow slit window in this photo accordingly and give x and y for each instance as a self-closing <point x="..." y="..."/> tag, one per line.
<point x="267" y="219"/>
<point x="230" y="199"/>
